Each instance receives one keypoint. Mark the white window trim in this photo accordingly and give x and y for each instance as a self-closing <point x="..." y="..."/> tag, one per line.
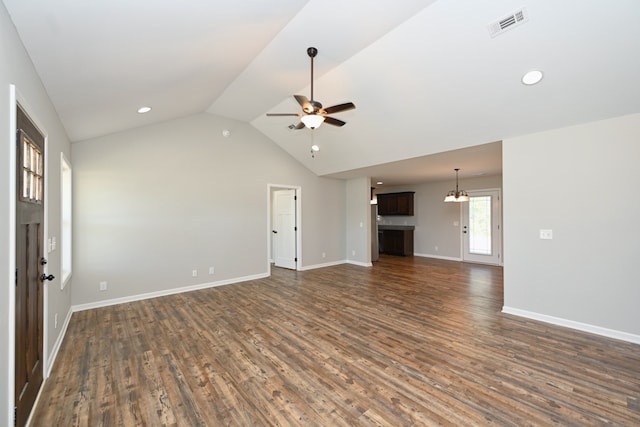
<point x="66" y="209"/>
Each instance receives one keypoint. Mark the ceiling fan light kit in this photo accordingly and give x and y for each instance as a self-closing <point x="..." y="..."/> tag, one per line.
<point x="312" y="121"/>
<point x="457" y="195"/>
<point x="313" y="114"/>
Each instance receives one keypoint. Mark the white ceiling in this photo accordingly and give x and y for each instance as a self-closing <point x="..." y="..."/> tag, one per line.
<point x="425" y="75"/>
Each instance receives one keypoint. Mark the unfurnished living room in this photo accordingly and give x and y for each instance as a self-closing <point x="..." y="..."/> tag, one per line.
<point x="298" y="213"/>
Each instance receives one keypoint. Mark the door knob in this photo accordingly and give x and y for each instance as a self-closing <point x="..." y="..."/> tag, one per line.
<point x="43" y="261"/>
<point x="274" y="231"/>
<point x="45" y="277"/>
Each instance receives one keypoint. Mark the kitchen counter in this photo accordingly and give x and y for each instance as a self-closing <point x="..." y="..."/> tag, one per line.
<point x="396" y="227"/>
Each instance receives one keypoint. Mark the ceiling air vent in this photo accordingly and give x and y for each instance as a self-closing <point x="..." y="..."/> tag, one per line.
<point x="508" y="22"/>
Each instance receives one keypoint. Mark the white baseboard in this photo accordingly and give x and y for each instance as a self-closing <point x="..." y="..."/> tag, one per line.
<point x="332" y="263"/>
<point x="140" y="297"/>
<point x="56" y="346"/>
<point x="446" y="258"/>
<point x="597" y="330"/>
<point x="361" y="264"/>
<point x="325" y="264"/>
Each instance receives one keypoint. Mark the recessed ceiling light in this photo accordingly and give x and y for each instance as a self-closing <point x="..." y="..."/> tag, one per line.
<point x="379" y="183"/>
<point x="315" y="148"/>
<point x="532" y="77"/>
<point x="143" y="110"/>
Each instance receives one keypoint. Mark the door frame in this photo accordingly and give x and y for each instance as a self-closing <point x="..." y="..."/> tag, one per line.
<point x="283" y="236"/>
<point x="270" y="189"/>
<point x="497" y="239"/>
<point x="15" y="99"/>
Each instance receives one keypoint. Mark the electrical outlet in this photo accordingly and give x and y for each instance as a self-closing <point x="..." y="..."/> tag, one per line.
<point x="546" y="234"/>
<point x="103" y="286"/>
<point x="353" y="253"/>
<point x="212" y="270"/>
<point x="324" y="255"/>
<point x="194" y="273"/>
<point x="437" y="248"/>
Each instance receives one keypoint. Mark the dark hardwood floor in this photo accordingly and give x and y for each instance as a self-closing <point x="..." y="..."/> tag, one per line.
<point x="411" y="341"/>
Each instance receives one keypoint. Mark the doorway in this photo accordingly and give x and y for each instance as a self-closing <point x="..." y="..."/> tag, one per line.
<point x="30" y="261"/>
<point x="481" y="227"/>
<point x="284" y="226"/>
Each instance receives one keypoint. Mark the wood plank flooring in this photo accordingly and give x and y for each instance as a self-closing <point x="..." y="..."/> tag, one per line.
<point x="409" y="342"/>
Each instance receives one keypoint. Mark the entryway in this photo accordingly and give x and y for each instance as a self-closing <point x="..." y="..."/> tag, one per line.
<point x="481" y="227"/>
<point x="284" y="226"/>
<point x="30" y="259"/>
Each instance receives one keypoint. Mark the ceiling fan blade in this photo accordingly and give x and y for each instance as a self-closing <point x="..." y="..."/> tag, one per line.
<point x="334" y="122"/>
<point x="304" y="103"/>
<point x="340" y="107"/>
<point x="299" y="126"/>
<point x="284" y="114"/>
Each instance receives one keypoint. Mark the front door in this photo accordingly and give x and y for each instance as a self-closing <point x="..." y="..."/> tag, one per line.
<point x="481" y="231"/>
<point x="284" y="229"/>
<point x="29" y="262"/>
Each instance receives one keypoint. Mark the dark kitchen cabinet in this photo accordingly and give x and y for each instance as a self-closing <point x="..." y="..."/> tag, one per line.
<point x="398" y="242"/>
<point x="396" y="203"/>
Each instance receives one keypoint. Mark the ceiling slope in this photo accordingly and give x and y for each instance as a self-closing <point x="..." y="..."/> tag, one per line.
<point x="426" y="76"/>
<point x="440" y="82"/>
<point x="101" y="60"/>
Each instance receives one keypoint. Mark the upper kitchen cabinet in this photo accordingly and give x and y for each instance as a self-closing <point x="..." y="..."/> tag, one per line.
<point x="396" y="203"/>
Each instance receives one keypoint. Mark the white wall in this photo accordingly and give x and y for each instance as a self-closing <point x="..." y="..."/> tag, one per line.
<point x="358" y="221"/>
<point x="434" y="220"/>
<point x="581" y="182"/>
<point x="154" y="203"/>
<point x="16" y="69"/>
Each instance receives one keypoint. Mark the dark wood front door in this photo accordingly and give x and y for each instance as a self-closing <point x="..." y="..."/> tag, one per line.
<point x="29" y="262"/>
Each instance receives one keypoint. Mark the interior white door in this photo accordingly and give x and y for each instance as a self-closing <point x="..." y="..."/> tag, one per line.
<point x="284" y="228"/>
<point x="481" y="228"/>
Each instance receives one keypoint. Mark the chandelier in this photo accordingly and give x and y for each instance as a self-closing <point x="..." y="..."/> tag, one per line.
<point x="458" y="195"/>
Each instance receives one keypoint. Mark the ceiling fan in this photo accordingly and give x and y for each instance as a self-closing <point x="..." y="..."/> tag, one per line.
<point x="313" y="114"/>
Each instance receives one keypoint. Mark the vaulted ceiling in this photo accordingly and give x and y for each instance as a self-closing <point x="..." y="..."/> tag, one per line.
<point x="426" y="76"/>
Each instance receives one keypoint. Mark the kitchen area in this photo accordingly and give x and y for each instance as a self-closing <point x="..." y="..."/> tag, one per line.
<point x="392" y="239"/>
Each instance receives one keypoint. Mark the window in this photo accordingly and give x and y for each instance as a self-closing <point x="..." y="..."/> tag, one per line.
<point x="480" y="225"/>
<point x="66" y="205"/>
<point x="32" y="178"/>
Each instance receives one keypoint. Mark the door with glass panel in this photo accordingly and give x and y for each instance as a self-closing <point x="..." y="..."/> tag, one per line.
<point x="481" y="227"/>
<point x="30" y="275"/>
